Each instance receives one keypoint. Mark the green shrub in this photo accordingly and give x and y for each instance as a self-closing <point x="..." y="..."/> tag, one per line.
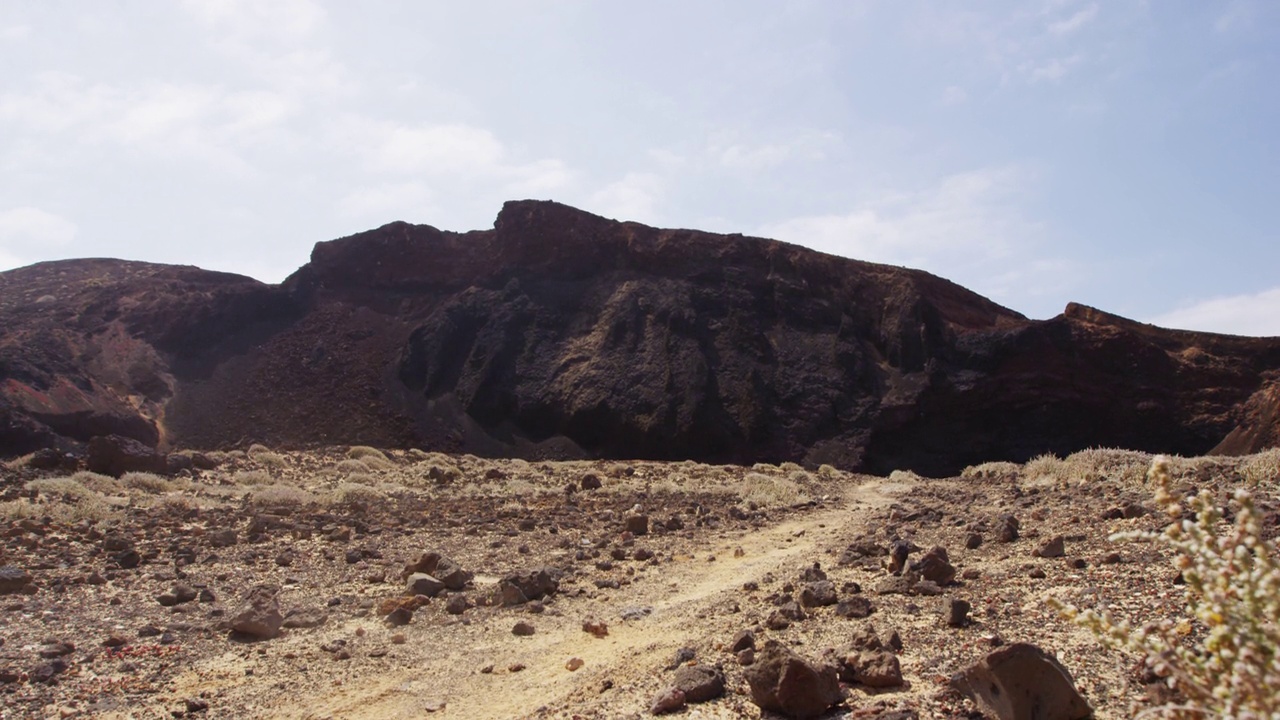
<point x="1232" y="593"/>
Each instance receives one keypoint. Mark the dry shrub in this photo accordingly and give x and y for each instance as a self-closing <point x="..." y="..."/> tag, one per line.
<point x="371" y="458"/>
<point x="904" y="476"/>
<point x="1232" y="593"/>
<point x="251" y="477"/>
<point x="281" y="496"/>
<point x="767" y="491"/>
<point x="349" y="493"/>
<point x="1261" y="468"/>
<point x="99" y="483"/>
<point x="360" y="452"/>
<point x="1093" y="465"/>
<point x="991" y="471"/>
<point x="64" y="488"/>
<point x="1046" y="467"/>
<point x="92" y="508"/>
<point x="147" y="482"/>
<point x="352" y="466"/>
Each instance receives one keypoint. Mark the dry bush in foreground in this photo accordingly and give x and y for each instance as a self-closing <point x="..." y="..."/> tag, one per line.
<point x="1232" y="591"/>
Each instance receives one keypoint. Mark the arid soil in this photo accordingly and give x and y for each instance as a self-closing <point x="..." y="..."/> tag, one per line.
<point x="121" y="593"/>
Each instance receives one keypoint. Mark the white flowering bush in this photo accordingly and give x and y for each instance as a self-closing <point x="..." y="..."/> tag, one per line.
<point x="1232" y="667"/>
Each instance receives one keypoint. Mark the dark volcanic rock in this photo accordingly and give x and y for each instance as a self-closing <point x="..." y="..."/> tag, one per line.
<point x="521" y="587"/>
<point x="115" y="455"/>
<point x="259" y="615"/>
<point x="559" y="333"/>
<point x="785" y="683"/>
<point x="1022" y="682"/>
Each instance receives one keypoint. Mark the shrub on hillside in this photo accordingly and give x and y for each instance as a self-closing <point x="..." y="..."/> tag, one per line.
<point x="1232" y="592"/>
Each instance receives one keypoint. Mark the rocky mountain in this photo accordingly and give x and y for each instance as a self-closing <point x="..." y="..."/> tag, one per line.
<point x="562" y="334"/>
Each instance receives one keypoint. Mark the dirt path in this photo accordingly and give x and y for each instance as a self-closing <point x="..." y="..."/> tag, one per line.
<point x="689" y="601"/>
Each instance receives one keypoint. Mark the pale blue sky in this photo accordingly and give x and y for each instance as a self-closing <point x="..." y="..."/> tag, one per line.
<point x="1121" y="154"/>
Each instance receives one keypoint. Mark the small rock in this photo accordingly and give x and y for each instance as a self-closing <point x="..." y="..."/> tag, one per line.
<point x="683" y="655"/>
<point x="1052" y="548"/>
<point x="456" y="605"/>
<point x="57" y="649"/>
<point x="573" y="664"/>
<point x="399" y="616"/>
<point x="1007" y="528"/>
<point x="596" y="627"/>
<point x="745" y="639"/>
<point x="13" y="579"/>
<point x="872" y="668"/>
<point x="957" y="612"/>
<point x="667" y="700"/>
<point x="420" y="583"/>
<point x="818" y="594"/>
<point x="522" y="628"/>
<point x="935" y="567"/>
<point x="590" y="481"/>
<point x="973" y="541"/>
<point x="637" y="524"/>
<point x="898" y="554"/>
<point x="854" y="607"/>
<point x="700" y="683"/>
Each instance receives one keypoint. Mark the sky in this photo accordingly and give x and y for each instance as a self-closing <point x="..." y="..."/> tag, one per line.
<point x="1121" y="154"/>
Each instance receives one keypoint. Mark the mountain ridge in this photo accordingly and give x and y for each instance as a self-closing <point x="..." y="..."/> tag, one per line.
<point x="558" y="333"/>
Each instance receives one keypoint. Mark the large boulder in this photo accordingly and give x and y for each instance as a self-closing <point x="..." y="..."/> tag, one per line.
<point x="259" y="614"/>
<point x="789" y="685"/>
<point x="116" y="455"/>
<point x="1022" y="682"/>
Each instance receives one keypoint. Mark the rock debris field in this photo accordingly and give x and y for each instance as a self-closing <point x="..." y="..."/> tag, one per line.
<point x="361" y="583"/>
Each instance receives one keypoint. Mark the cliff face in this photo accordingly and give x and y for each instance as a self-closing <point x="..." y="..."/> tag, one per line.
<point x="559" y="333"/>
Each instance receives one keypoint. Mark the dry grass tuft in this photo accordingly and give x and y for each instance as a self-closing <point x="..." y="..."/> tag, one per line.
<point x="281" y="496"/>
<point x="767" y="491"/>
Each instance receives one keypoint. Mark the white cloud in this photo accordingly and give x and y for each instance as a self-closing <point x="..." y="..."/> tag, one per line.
<point x="289" y="19"/>
<point x="954" y="95"/>
<point x="969" y="228"/>
<point x="442" y="149"/>
<point x="15" y="32"/>
<point x="1238" y="14"/>
<point x="634" y="197"/>
<point x="387" y="202"/>
<point x="1251" y="314"/>
<point x="28" y="234"/>
<point x="35" y="227"/>
<point x="1053" y="70"/>
<point x="808" y="146"/>
<point x="192" y="121"/>
<point x="1078" y="20"/>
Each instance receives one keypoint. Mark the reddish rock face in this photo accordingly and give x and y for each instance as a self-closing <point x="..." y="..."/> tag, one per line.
<point x="562" y="334"/>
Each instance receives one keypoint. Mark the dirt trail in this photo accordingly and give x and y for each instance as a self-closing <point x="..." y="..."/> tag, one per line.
<point x="689" y="602"/>
<point x="687" y="598"/>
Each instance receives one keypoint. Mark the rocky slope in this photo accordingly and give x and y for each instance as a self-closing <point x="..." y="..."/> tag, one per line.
<point x="562" y="334"/>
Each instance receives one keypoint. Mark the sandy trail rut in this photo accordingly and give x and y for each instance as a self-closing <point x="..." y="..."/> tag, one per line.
<point x="688" y="601"/>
